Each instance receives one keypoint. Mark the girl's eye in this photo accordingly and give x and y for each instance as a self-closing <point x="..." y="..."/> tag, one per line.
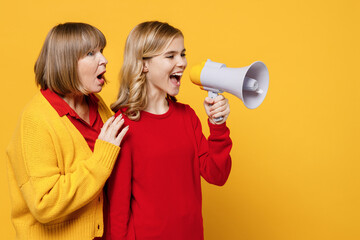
<point x="90" y="53"/>
<point x="183" y="54"/>
<point x="170" y="56"/>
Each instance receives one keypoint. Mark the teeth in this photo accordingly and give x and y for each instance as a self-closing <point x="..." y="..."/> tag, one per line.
<point x="178" y="74"/>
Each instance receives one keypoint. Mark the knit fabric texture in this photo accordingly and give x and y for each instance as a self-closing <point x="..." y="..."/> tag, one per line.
<point x="56" y="181"/>
<point x="155" y="189"/>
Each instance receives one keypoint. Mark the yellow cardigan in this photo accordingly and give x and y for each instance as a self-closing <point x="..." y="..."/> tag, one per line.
<point x="56" y="181"/>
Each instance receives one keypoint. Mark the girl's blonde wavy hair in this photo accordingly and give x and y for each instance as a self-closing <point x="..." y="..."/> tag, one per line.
<point x="146" y="40"/>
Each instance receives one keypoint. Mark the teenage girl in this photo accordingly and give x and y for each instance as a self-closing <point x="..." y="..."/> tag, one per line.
<point x="154" y="191"/>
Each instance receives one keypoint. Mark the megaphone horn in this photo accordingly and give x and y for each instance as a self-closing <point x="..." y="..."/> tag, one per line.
<point x="250" y="83"/>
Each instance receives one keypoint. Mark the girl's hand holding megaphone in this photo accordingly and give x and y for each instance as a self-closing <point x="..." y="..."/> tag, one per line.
<point x="217" y="107"/>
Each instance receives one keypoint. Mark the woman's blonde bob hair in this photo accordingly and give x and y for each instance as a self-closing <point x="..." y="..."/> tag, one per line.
<point x="146" y="40"/>
<point x="56" y="67"/>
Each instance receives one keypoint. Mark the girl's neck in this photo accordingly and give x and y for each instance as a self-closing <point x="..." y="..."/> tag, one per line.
<point x="157" y="104"/>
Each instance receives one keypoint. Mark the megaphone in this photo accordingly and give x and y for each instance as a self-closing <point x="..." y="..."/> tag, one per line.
<point x="250" y="83"/>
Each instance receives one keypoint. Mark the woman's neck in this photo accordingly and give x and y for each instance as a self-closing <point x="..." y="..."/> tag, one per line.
<point x="79" y="104"/>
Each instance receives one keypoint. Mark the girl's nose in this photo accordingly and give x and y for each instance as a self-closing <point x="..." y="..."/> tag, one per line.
<point x="182" y="62"/>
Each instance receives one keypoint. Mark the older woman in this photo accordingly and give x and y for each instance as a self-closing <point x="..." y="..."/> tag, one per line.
<point x="62" y="154"/>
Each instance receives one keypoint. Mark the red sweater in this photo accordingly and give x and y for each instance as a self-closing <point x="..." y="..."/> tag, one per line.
<point x="154" y="191"/>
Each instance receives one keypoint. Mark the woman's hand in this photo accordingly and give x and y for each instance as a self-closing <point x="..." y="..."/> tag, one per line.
<point x="111" y="133"/>
<point x="217" y="107"/>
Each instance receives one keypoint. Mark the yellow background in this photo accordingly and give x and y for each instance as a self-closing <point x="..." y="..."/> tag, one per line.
<point x="296" y="166"/>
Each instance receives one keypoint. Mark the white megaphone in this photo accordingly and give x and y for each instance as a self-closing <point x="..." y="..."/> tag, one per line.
<point x="250" y="83"/>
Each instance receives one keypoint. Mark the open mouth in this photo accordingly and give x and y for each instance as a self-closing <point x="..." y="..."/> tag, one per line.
<point x="175" y="78"/>
<point x="101" y="77"/>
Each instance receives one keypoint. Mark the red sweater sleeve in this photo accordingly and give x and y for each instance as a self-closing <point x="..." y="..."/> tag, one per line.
<point x="214" y="152"/>
<point x="119" y="194"/>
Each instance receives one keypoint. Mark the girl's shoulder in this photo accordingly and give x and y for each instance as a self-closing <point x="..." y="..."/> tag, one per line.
<point x="177" y="107"/>
<point x="185" y="110"/>
<point x="122" y="111"/>
<point x="183" y="107"/>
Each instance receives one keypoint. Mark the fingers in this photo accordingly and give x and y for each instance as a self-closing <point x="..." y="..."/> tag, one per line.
<point x="209" y="101"/>
<point x="107" y="123"/>
<point x="121" y="135"/>
<point x="111" y="133"/>
<point x="217" y="107"/>
<point x="105" y="127"/>
<point x="109" y="128"/>
<point x="220" y="109"/>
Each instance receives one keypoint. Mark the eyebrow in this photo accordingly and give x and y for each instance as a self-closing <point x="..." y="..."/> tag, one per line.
<point x="171" y="52"/>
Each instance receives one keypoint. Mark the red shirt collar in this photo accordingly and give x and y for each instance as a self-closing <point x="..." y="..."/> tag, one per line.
<point x="62" y="108"/>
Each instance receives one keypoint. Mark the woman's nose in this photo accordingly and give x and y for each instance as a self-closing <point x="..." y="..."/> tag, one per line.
<point x="103" y="60"/>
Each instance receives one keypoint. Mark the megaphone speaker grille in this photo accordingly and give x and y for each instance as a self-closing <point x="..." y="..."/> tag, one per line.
<point x="259" y="72"/>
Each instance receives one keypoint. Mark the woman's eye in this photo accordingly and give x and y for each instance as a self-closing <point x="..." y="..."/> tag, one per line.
<point x="183" y="54"/>
<point x="170" y="56"/>
<point x="90" y="53"/>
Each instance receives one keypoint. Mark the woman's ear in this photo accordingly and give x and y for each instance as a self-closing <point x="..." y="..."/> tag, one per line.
<point x="145" y="67"/>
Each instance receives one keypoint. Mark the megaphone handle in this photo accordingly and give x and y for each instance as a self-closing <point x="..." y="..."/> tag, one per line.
<point x="213" y="95"/>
